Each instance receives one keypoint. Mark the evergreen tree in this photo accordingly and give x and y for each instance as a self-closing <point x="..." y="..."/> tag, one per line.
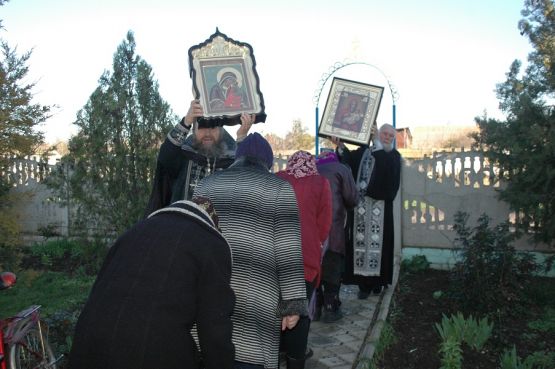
<point x="20" y="119"/>
<point x="523" y="146"/>
<point x="107" y="174"/>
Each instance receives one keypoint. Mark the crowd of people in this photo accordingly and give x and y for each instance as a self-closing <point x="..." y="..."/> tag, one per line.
<point x="222" y="270"/>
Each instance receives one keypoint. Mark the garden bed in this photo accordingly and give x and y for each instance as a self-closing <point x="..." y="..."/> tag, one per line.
<point x="417" y="306"/>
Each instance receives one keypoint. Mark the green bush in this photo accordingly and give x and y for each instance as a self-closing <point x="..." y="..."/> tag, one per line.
<point x="68" y="256"/>
<point x="10" y="229"/>
<point x="416" y="264"/>
<point x="491" y="275"/>
<point x="61" y="325"/>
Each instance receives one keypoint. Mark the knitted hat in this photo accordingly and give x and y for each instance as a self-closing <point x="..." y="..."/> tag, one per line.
<point x="255" y="146"/>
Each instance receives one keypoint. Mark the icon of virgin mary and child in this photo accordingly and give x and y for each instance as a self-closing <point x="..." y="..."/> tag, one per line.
<point x="350" y="114"/>
<point x="228" y="93"/>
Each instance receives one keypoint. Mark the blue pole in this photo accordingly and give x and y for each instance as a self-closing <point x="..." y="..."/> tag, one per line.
<point x="316" y="135"/>
<point x="394" y="123"/>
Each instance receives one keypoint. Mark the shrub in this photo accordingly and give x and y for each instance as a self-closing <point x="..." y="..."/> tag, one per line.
<point x="491" y="275"/>
<point x="10" y="229"/>
<point x="68" y="256"/>
<point x="61" y="326"/>
<point x="416" y="264"/>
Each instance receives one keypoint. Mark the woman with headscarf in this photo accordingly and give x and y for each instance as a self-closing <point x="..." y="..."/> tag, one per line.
<point x="259" y="218"/>
<point x="314" y="201"/>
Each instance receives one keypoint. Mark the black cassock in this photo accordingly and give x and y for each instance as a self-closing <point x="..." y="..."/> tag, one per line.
<point x="383" y="185"/>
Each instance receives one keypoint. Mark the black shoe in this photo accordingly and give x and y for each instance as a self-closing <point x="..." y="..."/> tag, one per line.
<point x="331" y="316"/>
<point x="377" y="290"/>
<point x="363" y="295"/>
<point x="282" y="356"/>
<point x="294" y="364"/>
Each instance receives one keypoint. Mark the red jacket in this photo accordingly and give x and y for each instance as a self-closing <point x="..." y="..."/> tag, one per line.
<point x="314" y="200"/>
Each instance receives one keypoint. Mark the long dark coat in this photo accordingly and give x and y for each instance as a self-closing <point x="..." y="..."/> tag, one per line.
<point x="163" y="275"/>
<point x="384" y="184"/>
<point x="344" y="197"/>
<point x="259" y="218"/>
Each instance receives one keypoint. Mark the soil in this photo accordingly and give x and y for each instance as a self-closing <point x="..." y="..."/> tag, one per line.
<point x="414" y="311"/>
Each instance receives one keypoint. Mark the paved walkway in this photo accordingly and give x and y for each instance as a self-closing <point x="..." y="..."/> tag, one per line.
<point x="349" y="343"/>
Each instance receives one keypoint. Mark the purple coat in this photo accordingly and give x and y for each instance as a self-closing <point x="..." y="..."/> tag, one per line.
<point x="344" y="197"/>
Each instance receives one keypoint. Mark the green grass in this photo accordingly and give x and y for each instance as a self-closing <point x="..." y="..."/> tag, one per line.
<point x="387" y="338"/>
<point x="53" y="291"/>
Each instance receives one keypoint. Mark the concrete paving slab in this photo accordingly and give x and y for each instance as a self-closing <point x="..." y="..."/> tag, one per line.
<point x="338" y="345"/>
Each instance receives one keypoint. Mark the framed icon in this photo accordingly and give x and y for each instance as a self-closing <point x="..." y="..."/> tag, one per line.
<point x="225" y="81"/>
<point x="351" y="110"/>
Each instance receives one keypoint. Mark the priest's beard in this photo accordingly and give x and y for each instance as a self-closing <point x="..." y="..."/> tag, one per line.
<point x="213" y="151"/>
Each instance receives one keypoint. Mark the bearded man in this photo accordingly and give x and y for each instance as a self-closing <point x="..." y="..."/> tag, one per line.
<point x="370" y="247"/>
<point x="185" y="159"/>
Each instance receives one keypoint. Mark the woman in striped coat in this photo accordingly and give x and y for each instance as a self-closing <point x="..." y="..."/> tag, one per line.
<point x="259" y="218"/>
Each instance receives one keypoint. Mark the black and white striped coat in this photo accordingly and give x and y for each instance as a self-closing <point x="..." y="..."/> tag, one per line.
<point x="259" y="218"/>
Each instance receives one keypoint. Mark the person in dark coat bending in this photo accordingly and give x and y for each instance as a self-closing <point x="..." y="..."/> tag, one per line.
<point x="370" y="251"/>
<point x="167" y="273"/>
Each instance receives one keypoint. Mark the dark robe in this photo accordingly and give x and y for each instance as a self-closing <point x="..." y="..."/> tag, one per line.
<point x="344" y="198"/>
<point x="179" y="168"/>
<point x="383" y="185"/>
<point x="161" y="277"/>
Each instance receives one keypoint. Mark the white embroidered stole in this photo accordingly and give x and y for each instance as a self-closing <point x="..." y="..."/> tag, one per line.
<point x="368" y="224"/>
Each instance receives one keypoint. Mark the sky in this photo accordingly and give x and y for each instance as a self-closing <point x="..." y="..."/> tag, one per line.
<point x="442" y="57"/>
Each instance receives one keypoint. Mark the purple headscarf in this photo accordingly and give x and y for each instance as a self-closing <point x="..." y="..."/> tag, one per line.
<point x="327" y="157"/>
<point x="301" y="164"/>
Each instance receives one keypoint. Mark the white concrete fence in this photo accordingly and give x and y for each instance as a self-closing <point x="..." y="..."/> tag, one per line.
<point x="433" y="189"/>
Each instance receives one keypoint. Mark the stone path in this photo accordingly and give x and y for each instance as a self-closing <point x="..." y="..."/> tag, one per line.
<point x="349" y="342"/>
